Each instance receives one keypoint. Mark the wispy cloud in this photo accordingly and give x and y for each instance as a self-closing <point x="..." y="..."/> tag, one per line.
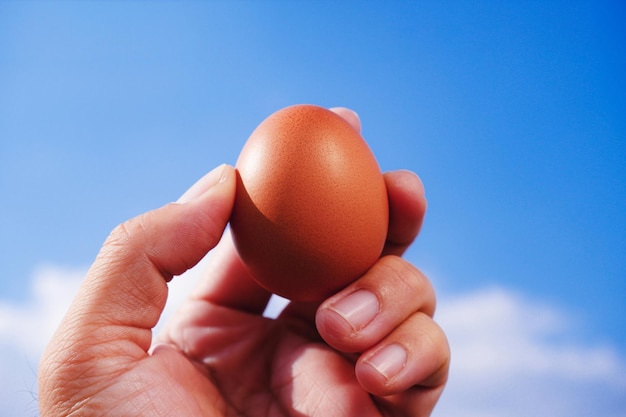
<point x="511" y="356"/>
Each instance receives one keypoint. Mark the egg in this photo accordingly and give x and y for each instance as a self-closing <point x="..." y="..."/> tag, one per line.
<point x="311" y="209"/>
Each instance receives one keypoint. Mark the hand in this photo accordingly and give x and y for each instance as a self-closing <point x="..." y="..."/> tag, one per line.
<point x="370" y="350"/>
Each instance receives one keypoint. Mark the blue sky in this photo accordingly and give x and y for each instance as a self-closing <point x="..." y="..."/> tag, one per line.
<point x="512" y="113"/>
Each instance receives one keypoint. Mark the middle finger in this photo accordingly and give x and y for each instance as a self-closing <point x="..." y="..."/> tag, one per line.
<point x="365" y="312"/>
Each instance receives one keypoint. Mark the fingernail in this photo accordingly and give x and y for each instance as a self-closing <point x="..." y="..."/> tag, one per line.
<point x="357" y="309"/>
<point x="388" y="361"/>
<point x="216" y="176"/>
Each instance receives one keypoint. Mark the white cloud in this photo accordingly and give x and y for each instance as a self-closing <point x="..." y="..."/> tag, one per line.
<point x="514" y="357"/>
<point x="502" y="334"/>
<point x="511" y="356"/>
<point x="24" y="330"/>
<point x="27" y="327"/>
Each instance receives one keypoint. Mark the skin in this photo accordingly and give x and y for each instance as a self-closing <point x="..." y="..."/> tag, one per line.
<point x="372" y="349"/>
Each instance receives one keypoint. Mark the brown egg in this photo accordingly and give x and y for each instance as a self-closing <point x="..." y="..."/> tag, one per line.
<point x="311" y="208"/>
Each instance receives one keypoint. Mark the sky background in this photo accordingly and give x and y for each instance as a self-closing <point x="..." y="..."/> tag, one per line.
<point x="512" y="113"/>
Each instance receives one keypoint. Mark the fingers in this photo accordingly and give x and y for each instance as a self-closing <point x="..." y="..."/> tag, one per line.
<point x="407" y="207"/>
<point x="413" y="354"/>
<point x="366" y="311"/>
<point x="125" y="290"/>
<point x="387" y="315"/>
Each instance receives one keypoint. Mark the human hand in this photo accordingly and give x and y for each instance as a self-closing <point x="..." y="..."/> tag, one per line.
<point x="370" y="350"/>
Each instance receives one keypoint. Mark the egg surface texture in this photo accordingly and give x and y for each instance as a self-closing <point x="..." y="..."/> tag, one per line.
<point x="311" y="208"/>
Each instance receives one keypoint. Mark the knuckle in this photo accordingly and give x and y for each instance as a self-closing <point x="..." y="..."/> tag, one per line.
<point x="127" y="231"/>
<point x="405" y="280"/>
<point x="124" y="241"/>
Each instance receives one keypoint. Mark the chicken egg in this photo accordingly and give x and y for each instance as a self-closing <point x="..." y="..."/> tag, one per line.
<point x="311" y="209"/>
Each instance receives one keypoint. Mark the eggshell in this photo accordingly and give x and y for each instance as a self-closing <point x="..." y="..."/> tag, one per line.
<point x="311" y="209"/>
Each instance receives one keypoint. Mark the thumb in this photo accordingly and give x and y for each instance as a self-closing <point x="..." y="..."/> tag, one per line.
<point x="125" y="290"/>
